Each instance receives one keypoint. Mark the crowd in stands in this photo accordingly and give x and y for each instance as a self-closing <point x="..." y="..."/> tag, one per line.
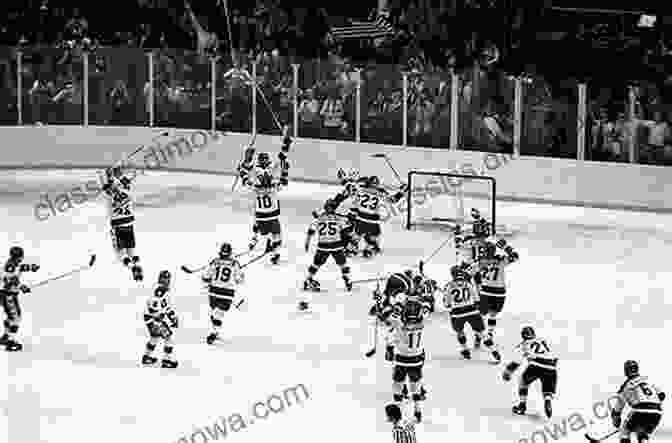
<point x="422" y="58"/>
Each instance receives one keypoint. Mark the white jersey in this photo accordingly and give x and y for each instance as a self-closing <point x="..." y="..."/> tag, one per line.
<point x="266" y="202"/>
<point x="223" y="277"/>
<point x="640" y="395"/>
<point x="537" y="352"/>
<point x="493" y="275"/>
<point x="469" y="249"/>
<point x="460" y="298"/>
<point x="159" y="306"/>
<point x="409" y="347"/>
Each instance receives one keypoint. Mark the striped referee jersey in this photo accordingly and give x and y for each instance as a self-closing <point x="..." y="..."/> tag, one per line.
<point x="404" y="432"/>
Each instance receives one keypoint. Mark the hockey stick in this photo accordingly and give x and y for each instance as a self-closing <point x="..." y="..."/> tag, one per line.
<point x="140" y="148"/>
<point x="389" y="163"/>
<point x="242" y="158"/>
<point x="601" y="439"/>
<point x="188" y="270"/>
<point x="92" y="260"/>
<point x="372" y="351"/>
<point x="420" y="265"/>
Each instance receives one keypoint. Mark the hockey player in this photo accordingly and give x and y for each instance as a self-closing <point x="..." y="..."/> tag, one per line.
<point x="161" y="321"/>
<point x="541" y="365"/>
<point x="9" y="296"/>
<point x="470" y="246"/>
<point x="460" y="298"/>
<point x="117" y="189"/>
<point x="491" y="276"/>
<point x="409" y="353"/>
<point x="369" y="200"/>
<point x="351" y="182"/>
<point x="645" y="402"/>
<point x="331" y="230"/>
<point x="263" y="179"/>
<point x="222" y="277"/>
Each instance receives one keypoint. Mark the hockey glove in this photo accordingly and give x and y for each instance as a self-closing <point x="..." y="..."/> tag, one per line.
<point x="501" y="243"/>
<point x="342" y="176"/>
<point x="616" y="419"/>
<point x="389" y="353"/>
<point x="661" y="396"/>
<point x="25" y="289"/>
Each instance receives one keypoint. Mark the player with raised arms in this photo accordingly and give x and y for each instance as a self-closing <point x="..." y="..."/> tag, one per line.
<point x="266" y="180"/>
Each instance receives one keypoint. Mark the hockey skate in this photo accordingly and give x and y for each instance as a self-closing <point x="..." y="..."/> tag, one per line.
<point x="4" y="339"/>
<point x="13" y="346"/>
<point x="520" y="409"/>
<point x="310" y="284"/>
<point x="275" y="259"/>
<point x="466" y="354"/>
<point x="418" y="415"/>
<point x="253" y="243"/>
<point x="496" y="357"/>
<point x="303" y="306"/>
<point x="170" y="364"/>
<point x="548" y="408"/>
<point x="148" y="360"/>
<point x="211" y="338"/>
<point x="477" y="341"/>
<point x="137" y="273"/>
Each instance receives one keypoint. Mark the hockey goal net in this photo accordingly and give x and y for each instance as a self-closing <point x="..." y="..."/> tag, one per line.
<point x="442" y="200"/>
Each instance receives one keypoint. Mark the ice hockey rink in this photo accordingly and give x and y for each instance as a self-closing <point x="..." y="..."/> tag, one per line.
<point x="593" y="282"/>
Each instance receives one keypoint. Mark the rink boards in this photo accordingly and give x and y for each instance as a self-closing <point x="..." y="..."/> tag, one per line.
<point x="522" y="179"/>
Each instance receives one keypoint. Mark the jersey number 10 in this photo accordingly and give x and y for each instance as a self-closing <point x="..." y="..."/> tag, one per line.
<point x="264" y="202"/>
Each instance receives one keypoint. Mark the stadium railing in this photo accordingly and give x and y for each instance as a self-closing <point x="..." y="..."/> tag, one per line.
<point x="479" y="110"/>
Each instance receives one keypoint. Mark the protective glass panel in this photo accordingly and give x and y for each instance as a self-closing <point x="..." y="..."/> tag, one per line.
<point x="549" y="121"/>
<point x="52" y="86"/>
<point x="429" y="106"/>
<point x="275" y="103"/>
<point x="382" y="105"/>
<point x="486" y="111"/>
<point x="327" y="101"/>
<point x="182" y="92"/>
<point x="118" y="87"/>
<point x="8" y="86"/>
<point x="652" y="124"/>
<point x="234" y="94"/>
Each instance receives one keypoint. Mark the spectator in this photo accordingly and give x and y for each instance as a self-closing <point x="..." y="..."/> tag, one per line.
<point x="496" y="126"/>
<point x="333" y="115"/>
<point x="309" y="114"/>
<point x="120" y="102"/>
<point x="658" y="149"/>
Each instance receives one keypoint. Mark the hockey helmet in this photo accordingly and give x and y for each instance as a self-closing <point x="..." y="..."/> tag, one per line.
<point x="16" y="253"/>
<point x="458" y="273"/>
<point x="263" y="160"/>
<point x="374" y="181"/>
<point x="527" y="333"/>
<point x="164" y="278"/>
<point x="412" y="311"/>
<point x="481" y="228"/>
<point x="631" y="368"/>
<point x="225" y="250"/>
<point x="330" y="206"/>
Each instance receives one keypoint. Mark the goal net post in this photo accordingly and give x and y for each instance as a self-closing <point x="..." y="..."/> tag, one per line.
<point x="443" y="200"/>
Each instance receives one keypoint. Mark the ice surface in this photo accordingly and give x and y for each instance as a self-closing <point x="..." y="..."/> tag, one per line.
<point x="592" y="281"/>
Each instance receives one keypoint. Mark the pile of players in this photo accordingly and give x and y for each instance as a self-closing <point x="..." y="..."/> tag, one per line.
<point x="474" y="296"/>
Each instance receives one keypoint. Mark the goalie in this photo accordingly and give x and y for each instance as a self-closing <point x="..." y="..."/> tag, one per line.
<point x="265" y="180"/>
